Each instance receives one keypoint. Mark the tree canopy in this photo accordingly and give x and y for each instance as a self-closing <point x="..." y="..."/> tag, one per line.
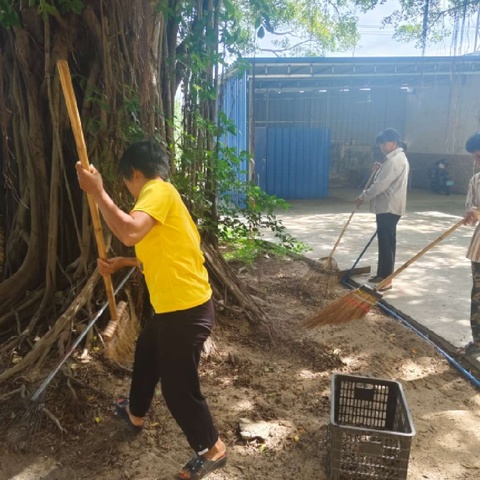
<point x="317" y="27"/>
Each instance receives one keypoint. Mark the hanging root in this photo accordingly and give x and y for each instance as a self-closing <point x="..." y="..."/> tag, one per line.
<point x="54" y="419"/>
<point x="352" y="306"/>
<point x="120" y="347"/>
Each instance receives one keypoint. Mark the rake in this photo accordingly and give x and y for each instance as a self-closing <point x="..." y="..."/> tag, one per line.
<point x="25" y="421"/>
<point x="357" y="303"/>
<point x="352" y="268"/>
<point x="327" y="266"/>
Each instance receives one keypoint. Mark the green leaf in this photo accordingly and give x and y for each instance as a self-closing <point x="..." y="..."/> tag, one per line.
<point x="229" y="7"/>
<point x="8" y="15"/>
<point x="50" y="9"/>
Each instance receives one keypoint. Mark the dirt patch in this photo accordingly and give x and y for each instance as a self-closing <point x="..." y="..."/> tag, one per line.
<point x="284" y="387"/>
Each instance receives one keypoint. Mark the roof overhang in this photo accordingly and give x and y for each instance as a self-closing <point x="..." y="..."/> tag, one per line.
<point x="313" y="73"/>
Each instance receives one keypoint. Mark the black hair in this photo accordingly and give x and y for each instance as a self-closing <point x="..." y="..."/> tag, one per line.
<point x="146" y="156"/>
<point x="473" y="143"/>
<point x="390" y="135"/>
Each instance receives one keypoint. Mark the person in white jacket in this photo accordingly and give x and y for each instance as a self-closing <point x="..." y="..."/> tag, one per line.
<point x="388" y="197"/>
<point x="472" y="205"/>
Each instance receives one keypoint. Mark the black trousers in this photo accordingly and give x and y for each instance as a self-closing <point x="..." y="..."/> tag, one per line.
<point x="387" y="243"/>
<point x="168" y="349"/>
<point x="475" y="303"/>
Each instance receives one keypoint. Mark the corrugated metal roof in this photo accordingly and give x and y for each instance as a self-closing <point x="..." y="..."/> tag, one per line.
<point x="334" y="72"/>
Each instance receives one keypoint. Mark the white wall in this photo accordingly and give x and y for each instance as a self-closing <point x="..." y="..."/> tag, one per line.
<point x="439" y="119"/>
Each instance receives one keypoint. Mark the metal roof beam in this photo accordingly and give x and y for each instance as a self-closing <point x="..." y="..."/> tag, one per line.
<point x="321" y="70"/>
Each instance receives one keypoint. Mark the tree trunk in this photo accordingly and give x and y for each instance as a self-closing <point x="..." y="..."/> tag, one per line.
<point x="126" y="63"/>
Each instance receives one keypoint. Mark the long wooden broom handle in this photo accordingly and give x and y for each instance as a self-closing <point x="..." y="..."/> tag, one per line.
<point x="350" y="217"/>
<point x="387" y="280"/>
<point x="71" y="102"/>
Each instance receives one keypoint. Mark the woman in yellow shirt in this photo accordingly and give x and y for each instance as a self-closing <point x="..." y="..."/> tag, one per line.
<point x="167" y="248"/>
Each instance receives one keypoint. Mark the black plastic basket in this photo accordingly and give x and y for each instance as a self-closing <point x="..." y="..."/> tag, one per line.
<point x="370" y="431"/>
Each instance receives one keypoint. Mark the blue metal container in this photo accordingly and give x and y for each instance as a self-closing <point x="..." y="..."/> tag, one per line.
<point x="293" y="163"/>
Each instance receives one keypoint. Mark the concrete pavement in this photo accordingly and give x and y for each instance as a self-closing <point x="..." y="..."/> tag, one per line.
<point x="435" y="290"/>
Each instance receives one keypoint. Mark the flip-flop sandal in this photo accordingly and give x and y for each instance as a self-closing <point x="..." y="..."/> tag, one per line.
<point x="471" y="348"/>
<point x="199" y="467"/>
<point x="121" y="405"/>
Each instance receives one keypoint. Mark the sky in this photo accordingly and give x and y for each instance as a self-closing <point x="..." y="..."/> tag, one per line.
<point x="377" y="40"/>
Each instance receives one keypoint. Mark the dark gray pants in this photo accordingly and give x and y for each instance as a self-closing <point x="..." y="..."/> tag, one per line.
<point x="475" y="302"/>
<point x="387" y="243"/>
<point x="168" y="349"/>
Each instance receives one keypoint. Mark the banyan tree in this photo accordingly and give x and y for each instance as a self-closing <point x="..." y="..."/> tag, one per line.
<point x="127" y="60"/>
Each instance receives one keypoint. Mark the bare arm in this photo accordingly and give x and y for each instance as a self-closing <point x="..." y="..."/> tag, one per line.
<point x="112" y="265"/>
<point x="129" y="228"/>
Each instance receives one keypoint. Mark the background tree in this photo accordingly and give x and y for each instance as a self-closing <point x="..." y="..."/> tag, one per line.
<point x="122" y="58"/>
<point x="431" y="21"/>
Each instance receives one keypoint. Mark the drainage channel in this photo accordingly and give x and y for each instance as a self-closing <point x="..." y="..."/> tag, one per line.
<point x="469" y="368"/>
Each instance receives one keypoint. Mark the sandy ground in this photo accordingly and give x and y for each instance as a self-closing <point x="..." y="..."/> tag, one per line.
<point x="435" y="289"/>
<point x="283" y="386"/>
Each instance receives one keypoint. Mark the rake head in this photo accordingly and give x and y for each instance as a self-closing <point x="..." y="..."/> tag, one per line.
<point x="21" y="420"/>
<point x="327" y="265"/>
<point x="323" y="272"/>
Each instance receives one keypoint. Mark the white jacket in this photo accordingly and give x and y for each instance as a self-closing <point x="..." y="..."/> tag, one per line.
<point x="473" y="201"/>
<point x="388" y="193"/>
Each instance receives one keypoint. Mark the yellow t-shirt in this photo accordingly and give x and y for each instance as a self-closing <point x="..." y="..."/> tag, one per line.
<point x="173" y="263"/>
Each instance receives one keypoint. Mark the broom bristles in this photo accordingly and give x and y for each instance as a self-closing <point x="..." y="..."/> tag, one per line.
<point x="120" y="348"/>
<point x="353" y="306"/>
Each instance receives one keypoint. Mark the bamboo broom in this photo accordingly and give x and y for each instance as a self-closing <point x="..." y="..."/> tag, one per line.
<point x="357" y="303"/>
<point x="328" y="265"/>
<point x="71" y="102"/>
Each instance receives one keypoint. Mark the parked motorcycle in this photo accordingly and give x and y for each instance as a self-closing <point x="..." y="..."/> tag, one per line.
<point x="440" y="181"/>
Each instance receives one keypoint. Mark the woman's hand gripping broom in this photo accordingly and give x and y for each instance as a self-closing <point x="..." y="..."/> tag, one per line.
<point x="357" y="303"/>
<point x="327" y="266"/>
<point x="71" y="102"/>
